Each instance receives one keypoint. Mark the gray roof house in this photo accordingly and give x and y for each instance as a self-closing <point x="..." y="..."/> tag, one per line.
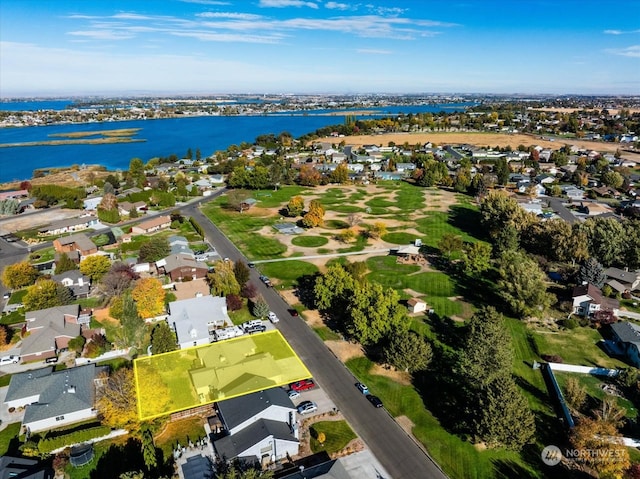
<point x="77" y="282"/>
<point x="179" y="245"/>
<point x="193" y="319"/>
<point x="260" y="425"/>
<point x="627" y="339"/>
<point x="24" y="468"/>
<point x="622" y="280"/>
<point x="51" y="330"/>
<point x="52" y="399"/>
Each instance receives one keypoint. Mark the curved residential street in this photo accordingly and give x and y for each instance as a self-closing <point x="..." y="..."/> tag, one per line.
<point x="397" y="452"/>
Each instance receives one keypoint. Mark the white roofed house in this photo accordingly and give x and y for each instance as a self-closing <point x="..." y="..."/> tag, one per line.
<point x="194" y="319"/>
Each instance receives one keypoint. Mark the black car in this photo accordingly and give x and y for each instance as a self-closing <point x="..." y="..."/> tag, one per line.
<point x="375" y="400"/>
<point x="260" y="328"/>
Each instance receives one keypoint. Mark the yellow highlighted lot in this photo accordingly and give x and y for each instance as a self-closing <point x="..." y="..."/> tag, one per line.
<point x="171" y="382"/>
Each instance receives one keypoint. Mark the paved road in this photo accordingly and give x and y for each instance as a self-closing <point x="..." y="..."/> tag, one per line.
<point x="9" y="253"/>
<point x="396" y="451"/>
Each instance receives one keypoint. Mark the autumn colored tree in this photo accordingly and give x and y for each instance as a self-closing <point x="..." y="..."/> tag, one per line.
<point x="295" y="207"/>
<point x="223" y="279"/>
<point x="19" y="275"/>
<point x="340" y="174"/>
<point x="46" y="293"/>
<point x="315" y="216"/>
<point x="149" y="297"/>
<point x="309" y="176"/>
<point x="117" y="399"/>
<point x="95" y="266"/>
<point x="606" y="453"/>
<point x="4" y="335"/>
<point x="249" y="290"/>
<point x="108" y="208"/>
<point x="234" y="302"/>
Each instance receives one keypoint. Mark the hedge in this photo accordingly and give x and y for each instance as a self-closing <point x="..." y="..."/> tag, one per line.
<point x="196" y="226"/>
<point x="46" y="445"/>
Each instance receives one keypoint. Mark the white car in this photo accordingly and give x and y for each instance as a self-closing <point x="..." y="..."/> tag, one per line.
<point x="307" y="407"/>
<point x="9" y="360"/>
<point x="293" y="394"/>
<point x="272" y="317"/>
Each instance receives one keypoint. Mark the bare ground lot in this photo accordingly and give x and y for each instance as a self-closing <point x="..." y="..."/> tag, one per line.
<point x="478" y="139"/>
<point x="43" y="217"/>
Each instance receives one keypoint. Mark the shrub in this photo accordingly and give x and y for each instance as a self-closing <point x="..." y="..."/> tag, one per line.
<point x="552" y="358"/>
<point x="46" y="445"/>
<point x="571" y="323"/>
<point x="234" y="302"/>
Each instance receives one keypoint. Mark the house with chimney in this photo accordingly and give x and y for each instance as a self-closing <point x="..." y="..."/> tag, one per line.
<point x="589" y="302"/>
<point x="78" y="245"/>
<point x="77" y="282"/>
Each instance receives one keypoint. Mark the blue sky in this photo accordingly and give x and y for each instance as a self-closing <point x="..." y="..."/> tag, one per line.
<point x="77" y="47"/>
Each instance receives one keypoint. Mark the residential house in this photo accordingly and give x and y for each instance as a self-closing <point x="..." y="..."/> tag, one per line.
<point x="194" y="319"/>
<point x="626" y="338"/>
<point x="77" y="282"/>
<point x="191" y="289"/>
<point x="389" y="175"/>
<point x="180" y="245"/>
<point x="405" y="167"/>
<point x="24" y="468"/>
<point x="50" y="331"/>
<point x="152" y="225"/>
<point x="532" y="207"/>
<point x="261" y="427"/>
<point x="216" y="179"/>
<point x="622" y="280"/>
<point x="573" y="192"/>
<point x="181" y="266"/>
<point x="125" y="207"/>
<point x="91" y="204"/>
<point x="594" y="209"/>
<point x="416" y="305"/>
<point x="53" y="399"/>
<point x="78" y="242"/>
<point x="588" y="301"/>
<point x="69" y="225"/>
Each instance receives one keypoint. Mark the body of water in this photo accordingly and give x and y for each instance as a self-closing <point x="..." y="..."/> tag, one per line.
<point x="161" y="138"/>
<point x="35" y="105"/>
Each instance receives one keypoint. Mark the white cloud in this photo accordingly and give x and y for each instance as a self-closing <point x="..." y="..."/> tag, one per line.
<point x="372" y="51"/>
<point x="620" y="32"/>
<point x="286" y="3"/>
<point x="230" y="15"/>
<point x="632" y="51"/>
<point x="206" y="2"/>
<point x="228" y="37"/>
<point x="101" y="34"/>
<point x="337" y="6"/>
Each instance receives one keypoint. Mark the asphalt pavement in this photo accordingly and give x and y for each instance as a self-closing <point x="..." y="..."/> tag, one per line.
<point x="391" y="445"/>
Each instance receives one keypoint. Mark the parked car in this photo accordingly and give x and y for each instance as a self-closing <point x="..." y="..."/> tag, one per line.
<point x="252" y="323"/>
<point x="259" y="328"/>
<point x="362" y="388"/>
<point x="293" y="394"/>
<point x="293" y="312"/>
<point x="273" y="318"/>
<point x="51" y="360"/>
<point x="6" y="295"/>
<point x="375" y="400"/>
<point x="251" y="265"/>
<point x="303" y="385"/>
<point x="306" y="407"/>
<point x="13" y="359"/>
<point x="265" y="280"/>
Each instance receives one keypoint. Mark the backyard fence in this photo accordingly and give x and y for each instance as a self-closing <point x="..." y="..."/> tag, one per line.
<point x="596" y="371"/>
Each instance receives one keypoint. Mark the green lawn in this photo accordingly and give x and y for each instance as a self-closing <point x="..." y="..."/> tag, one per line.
<point x="43" y="255"/>
<point x="17" y="296"/>
<point x="337" y="435"/>
<point x="287" y="272"/>
<point x="309" y="241"/>
<point x="327" y="334"/>
<point x="12" y="318"/>
<point x="435" y="225"/>
<point x="575" y="346"/>
<point x="336" y="224"/>
<point x="458" y="458"/>
<point x="399" y="238"/>
<point x="179" y="432"/>
<point x="7" y="436"/>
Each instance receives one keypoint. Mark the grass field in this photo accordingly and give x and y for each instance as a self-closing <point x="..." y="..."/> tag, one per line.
<point x="337" y="435"/>
<point x="309" y="241"/>
<point x="8" y="438"/>
<point x="287" y="272"/>
<point x="179" y="432"/>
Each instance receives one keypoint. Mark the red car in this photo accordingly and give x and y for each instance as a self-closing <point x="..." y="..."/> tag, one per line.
<point x="303" y="385"/>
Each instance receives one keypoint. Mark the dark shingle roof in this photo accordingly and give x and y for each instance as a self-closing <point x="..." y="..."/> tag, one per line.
<point x="61" y="392"/>
<point x="233" y="446"/>
<point x="627" y="332"/>
<point x="237" y="410"/>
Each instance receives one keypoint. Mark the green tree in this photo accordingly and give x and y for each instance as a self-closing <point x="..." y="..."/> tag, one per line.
<point x="522" y="285"/>
<point x="501" y="169"/>
<point x="163" y="339"/>
<point x="450" y="244"/>
<point x="408" y="351"/>
<point x="154" y="249"/>
<point x="333" y="288"/>
<point x="612" y="179"/>
<point x="95" y="266"/>
<point x="149" y="450"/>
<point x="374" y="313"/>
<point x="340" y="174"/>
<point x="476" y="257"/>
<point x="136" y="172"/>
<point x="592" y="272"/>
<point x="575" y="393"/>
<point x="503" y="417"/>
<point x="64" y="264"/>
<point x="223" y="279"/>
<point x="295" y="207"/>
<point x="241" y="272"/>
<point x="487" y="351"/>
<point x="77" y="344"/>
<point x="19" y="275"/>
<point x="606" y="239"/>
<point x="133" y="330"/>
<point x="260" y="308"/>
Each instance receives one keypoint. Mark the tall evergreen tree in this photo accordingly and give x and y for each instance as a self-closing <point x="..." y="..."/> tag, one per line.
<point x="592" y="272"/>
<point x="163" y="339"/>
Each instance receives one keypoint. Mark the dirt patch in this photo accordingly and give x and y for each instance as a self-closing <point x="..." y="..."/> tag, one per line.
<point x="345" y="350"/>
<point x="67" y="177"/>
<point x="398" y="376"/>
<point x="41" y="218"/>
<point x="471" y="138"/>
<point x="405" y="423"/>
<point x="102" y="316"/>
